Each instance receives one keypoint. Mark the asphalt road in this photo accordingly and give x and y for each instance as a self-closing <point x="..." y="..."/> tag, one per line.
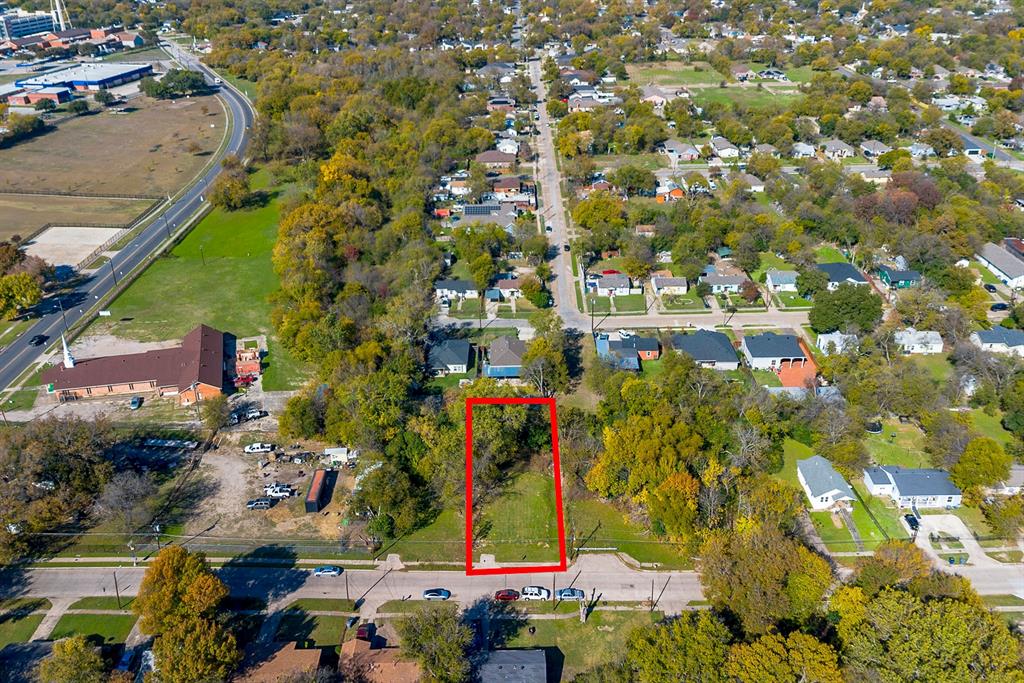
<point x="19" y="355"/>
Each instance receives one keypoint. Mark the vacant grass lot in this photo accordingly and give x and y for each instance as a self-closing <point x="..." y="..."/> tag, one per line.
<point x="751" y="98"/>
<point x="769" y="261"/>
<point x="103" y="629"/>
<point x="832" y="530"/>
<point x="25" y="214"/>
<point x="650" y="161"/>
<point x="991" y="426"/>
<point x="523" y="522"/>
<point x="309" y="630"/>
<point x="599" y="641"/>
<point x="592" y="523"/>
<point x="898" y="444"/>
<point x="792" y="451"/>
<point x="221" y="275"/>
<point x="792" y="300"/>
<point x="630" y="303"/>
<point x="937" y="365"/>
<point x="153" y="150"/>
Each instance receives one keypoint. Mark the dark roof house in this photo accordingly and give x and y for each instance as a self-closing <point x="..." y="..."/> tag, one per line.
<point x="706" y="347"/>
<point x="838" y="273"/>
<point x="450" y="355"/>
<point x="514" y="666"/>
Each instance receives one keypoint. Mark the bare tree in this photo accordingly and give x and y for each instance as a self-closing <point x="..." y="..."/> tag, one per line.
<point x="125" y="499"/>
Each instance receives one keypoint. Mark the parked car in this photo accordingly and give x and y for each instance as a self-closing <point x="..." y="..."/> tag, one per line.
<point x="991" y="289"/>
<point x="38" y="340"/>
<point x="549" y="228"/>
<point x="280" y="493"/>
<point x="436" y="594"/>
<point x="254" y="414"/>
<point x="259" y="448"/>
<point x="507" y="595"/>
<point x="327" y="570"/>
<point x="566" y="247"/>
<point x="259" y="504"/>
<point x="273" y="486"/>
<point x="365" y="632"/>
<point x="912" y="522"/>
<point x="535" y="593"/>
<point x="999" y="307"/>
<point x="570" y="594"/>
<point x="136" y="403"/>
<point x="233" y="419"/>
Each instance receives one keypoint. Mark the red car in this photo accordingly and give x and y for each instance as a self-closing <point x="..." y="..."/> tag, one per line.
<point x="507" y="595"/>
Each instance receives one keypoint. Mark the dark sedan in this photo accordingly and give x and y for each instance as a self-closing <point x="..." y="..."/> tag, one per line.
<point x="38" y="340"/>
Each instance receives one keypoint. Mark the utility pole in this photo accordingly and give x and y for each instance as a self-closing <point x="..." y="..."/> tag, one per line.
<point x="117" y="591"/>
<point x="61" y="304"/>
<point x="346" y="587"/>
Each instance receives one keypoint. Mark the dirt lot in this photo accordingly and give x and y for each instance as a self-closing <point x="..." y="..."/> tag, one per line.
<point x="24" y="214"/>
<point x="152" y="150"/>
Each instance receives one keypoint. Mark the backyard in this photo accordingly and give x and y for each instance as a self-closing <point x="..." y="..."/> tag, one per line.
<point x="222" y="276"/>
<point x="898" y="444"/>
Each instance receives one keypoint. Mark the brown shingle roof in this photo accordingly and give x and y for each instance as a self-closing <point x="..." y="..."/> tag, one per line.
<point x="284" y="662"/>
<point x="377" y="665"/>
<point x="200" y="358"/>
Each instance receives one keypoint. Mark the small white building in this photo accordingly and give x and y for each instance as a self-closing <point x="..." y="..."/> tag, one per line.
<point x="1003" y="264"/>
<point x="914" y="341"/>
<point x="836" y="342"/>
<point x="921" y="488"/>
<point x="825" y="488"/>
<point x="781" y="280"/>
<point x="1000" y="340"/>
<point x="723" y="148"/>
<point x="668" y="285"/>
<point x="721" y="284"/>
<point x="771" y="351"/>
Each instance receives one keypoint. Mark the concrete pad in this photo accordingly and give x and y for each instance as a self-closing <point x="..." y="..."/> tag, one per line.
<point x="68" y="246"/>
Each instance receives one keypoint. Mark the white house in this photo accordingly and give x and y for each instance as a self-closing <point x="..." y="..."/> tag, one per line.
<point x="771" y="351"/>
<point x="837" y="149"/>
<point x="720" y="284"/>
<point x="1011" y="486"/>
<point x="919" y="341"/>
<point x="921" y="488"/>
<point x="781" y="280"/>
<point x="1003" y="264"/>
<point x="668" y="285"/>
<point x="450" y="356"/>
<point x="708" y="348"/>
<point x="801" y="150"/>
<point x="1000" y="340"/>
<point x="508" y="146"/>
<point x="751" y="181"/>
<point x="677" y="151"/>
<point x="921" y="150"/>
<point x="825" y="488"/>
<point x="836" y="342"/>
<point x="723" y="148"/>
<point x="874" y="148"/>
<point x="615" y="284"/>
<point x="455" y="289"/>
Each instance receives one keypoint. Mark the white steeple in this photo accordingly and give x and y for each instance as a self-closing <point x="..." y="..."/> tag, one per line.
<point x="69" y="360"/>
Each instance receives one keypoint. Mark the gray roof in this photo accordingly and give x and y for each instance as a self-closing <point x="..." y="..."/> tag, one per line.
<point x="841" y="272"/>
<point x="712" y="280"/>
<point x="660" y="281"/>
<point x="836" y="145"/>
<point x="914" y="482"/>
<point x="895" y="275"/>
<point x="875" y="147"/>
<point x="836" y="341"/>
<point x="613" y="281"/>
<point x="772" y="345"/>
<point x="455" y="285"/>
<point x="822" y="478"/>
<point x="782" y="277"/>
<point x="1001" y="335"/>
<point x="637" y="343"/>
<point x="1010" y="265"/>
<point x="506" y="352"/>
<point x="720" y="143"/>
<point x="449" y="352"/>
<point x="514" y="666"/>
<point x="705" y="346"/>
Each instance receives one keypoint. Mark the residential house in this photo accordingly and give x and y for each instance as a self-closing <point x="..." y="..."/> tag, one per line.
<point x="772" y="351"/>
<point x="721" y="284"/>
<point x="836" y="150"/>
<point x="971" y="148"/>
<point x="495" y="161"/>
<point x="708" y="349"/>
<point x="825" y="488"/>
<point x="455" y="289"/>
<point x="505" y="358"/>
<point x="724" y="149"/>
<point x="668" y="285"/>
<point x="646" y="348"/>
<point x="377" y="663"/>
<point x="510" y="287"/>
<point x="741" y="72"/>
<point x="781" y="280"/>
<point x="677" y="151"/>
<point x="922" y="342"/>
<point x="514" y="666"/>
<point x="770" y="150"/>
<point x="508" y="145"/>
<point x="1000" y="340"/>
<point x="840" y="273"/>
<point x="1010" y="486"/>
<point x="505" y="104"/>
<point x="921" y="150"/>
<point x="751" y="181"/>
<point x="876" y="176"/>
<point x="878" y="104"/>
<point x="898" y="279"/>
<point x="1003" y="263"/>
<point x="502" y="215"/>
<point x="450" y="356"/>
<point x="269" y="664"/>
<point x="612" y="351"/>
<point x="801" y="150"/>
<point x="917" y="488"/>
<point x="644" y="230"/>
<point x="836" y="342"/>
<point x="872" y="149"/>
<point x="610" y="284"/>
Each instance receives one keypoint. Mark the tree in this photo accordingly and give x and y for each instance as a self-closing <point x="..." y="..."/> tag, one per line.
<point x="633" y="179"/>
<point x="691" y="647"/>
<point x="894" y="563"/>
<point x="45" y="105"/>
<point x="73" y="661"/>
<point x="849" y="306"/>
<point x="175" y="83"/>
<point x="600" y="209"/>
<point x="215" y="411"/>
<point x="483" y="270"/>
<point x="797" y="658"/>
<point x="17" y="292"/>
<point x="126" y="498"/>
<point x="984" y="463"/>
<point x="196" y="649"/>
<point x="810" y="281"/>
<point x="437" y="639"/>
<point x="544" y="366"/>
<point x="178" y="586"/>
<point x="749" y="291"/>
<point x="103" y="97"/>
<point x="78" y="107"/>
<point x="1006" y="516"/>
<point x="231" y="191"/>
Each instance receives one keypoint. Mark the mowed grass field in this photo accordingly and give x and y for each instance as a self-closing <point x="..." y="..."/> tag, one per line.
<point x="220" y="274"/>
<point x="154" y="149"/>
<point x="25" y="214"/>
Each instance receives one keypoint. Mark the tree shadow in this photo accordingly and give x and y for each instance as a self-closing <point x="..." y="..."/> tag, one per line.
<point x="268" y="572"/>
<point x="494" y="624"/>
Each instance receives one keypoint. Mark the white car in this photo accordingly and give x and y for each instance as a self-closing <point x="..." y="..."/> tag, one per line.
<point x="259" y="448"/>
<point x="328" y="570"/>
<point x="534" y="593"/>
<point x="280" y="493"/>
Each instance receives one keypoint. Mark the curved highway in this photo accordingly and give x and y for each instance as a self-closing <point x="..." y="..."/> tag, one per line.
<point x="19" y="355"/>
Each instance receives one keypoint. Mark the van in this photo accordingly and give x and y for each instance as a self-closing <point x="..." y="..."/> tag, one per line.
<point x="535" y="593"/>
<point x="259" y="448"/>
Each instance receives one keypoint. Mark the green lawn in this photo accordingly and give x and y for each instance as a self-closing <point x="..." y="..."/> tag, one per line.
<point x="442" y="540"/>
<point x="599" y="304"/>
<point x="17" y="628"/>
<point x="612" y="263"/>
<point x="650" y="161"/>
<point x="470" y="308"/>
<point x="937" y="365"/>
<point x="221" y="275"/>
<point x="102" y="602"/>
<point x="991" y="426"/>
<point x="828" y="254"/>
<point x="323" y="605"/>
<point x="792" y="300"/>
<point x="747" y="97"/>
<point x="1007" y="600"/>
<point x="905" y="449"/>
<point x="683" y="302"/>
<point x="985" y="274"/>
<point x="801" y="74"/>
<point x="630" y="302"/>
<point x="832" y="535"/>
<point x="22" y="399"/>
<point x="673" y="73"/>
<point x="792" y="450"/>
<point x="769" y="261"/>
<point x="101" y="628"/>
<point x="886" y="514"/>
<point x="309" y="630"/>
<point x="523" y="522"/>
<point x="766" y="378"/>
<point x="600" y="525"/>
<point x="246" y="86"/>
<point x="584" y="646"/>
<point x="651" y="368"/>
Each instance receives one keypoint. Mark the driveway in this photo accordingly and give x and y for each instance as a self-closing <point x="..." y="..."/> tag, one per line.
<point x="951" y="525"/>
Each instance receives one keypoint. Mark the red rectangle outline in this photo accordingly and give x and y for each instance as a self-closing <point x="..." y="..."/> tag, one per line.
<point x="561" y="566"/>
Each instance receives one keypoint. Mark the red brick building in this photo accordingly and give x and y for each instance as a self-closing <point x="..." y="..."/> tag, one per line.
<point x="192" y="371"/>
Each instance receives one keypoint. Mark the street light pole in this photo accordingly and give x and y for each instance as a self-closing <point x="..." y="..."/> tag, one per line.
<point x="112" y="271"/>
<point x="61" y="304"/>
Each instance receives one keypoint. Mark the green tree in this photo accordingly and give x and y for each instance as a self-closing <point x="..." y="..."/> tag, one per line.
<point x="231" y="191"/>
<point x="179" y="585"/>
<point x="435" y="637"/>
<point x="215" y="411"/>
<point x="78" y="107"/>
<point x="860" y="92"/>
<point x="691" y="647"/>
<point x="983" y="463"/>
<point x="1006" y="516"/>
<point x="810" y="281"/>
<point x="45" y="105"/>
<point x="849" y="305"/>
<point x="797" y="658"/>
<point x="599" y="210"/>
<point x="894" y="563"/>
<point x="633" y="179"/>
<point x="73" y="661"/>
<point x="103" y="97"/>
<point x="301" y="418"/>
<point x="544" y="366"/>
<point x="483" y="270"/>
<point x="194" y="650"/>
<point x="18" y="291"/>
